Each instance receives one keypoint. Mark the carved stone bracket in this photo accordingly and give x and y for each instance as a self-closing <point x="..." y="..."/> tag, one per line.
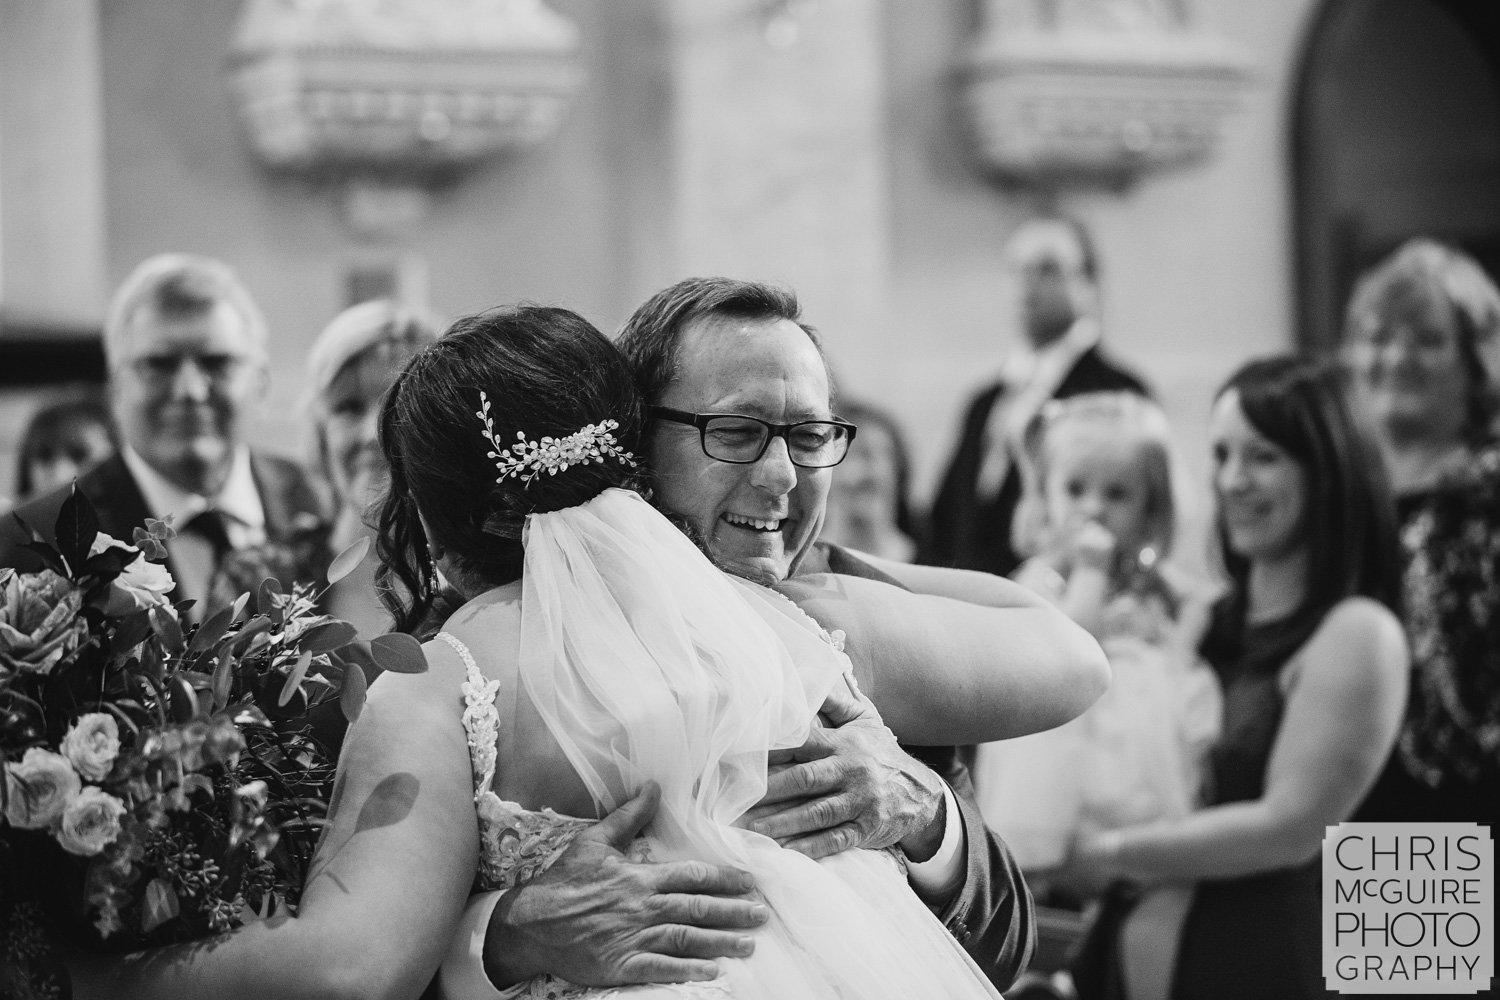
<point x="1093" y="99"/>
<point x="399" y="93"/>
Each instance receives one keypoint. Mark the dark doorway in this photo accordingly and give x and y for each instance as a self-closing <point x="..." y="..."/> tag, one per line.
<point x="1396" y="133"/>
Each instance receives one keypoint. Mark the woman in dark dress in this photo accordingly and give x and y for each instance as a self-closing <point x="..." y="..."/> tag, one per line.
<point x="1422" y="341"/>
<point x="1312" y="659"/>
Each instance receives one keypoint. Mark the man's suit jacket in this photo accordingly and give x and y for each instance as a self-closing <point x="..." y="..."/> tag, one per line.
<point x="971" y="532"/>
<point x="290" y="504"/>
<point x="991" y="915"/>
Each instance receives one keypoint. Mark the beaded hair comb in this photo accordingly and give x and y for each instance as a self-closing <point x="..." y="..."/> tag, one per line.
<point x="527" y="460"/>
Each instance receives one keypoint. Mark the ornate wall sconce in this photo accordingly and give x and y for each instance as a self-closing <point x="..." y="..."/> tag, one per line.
<point x="394" y="96"/>
<point x="1096" y="92"/>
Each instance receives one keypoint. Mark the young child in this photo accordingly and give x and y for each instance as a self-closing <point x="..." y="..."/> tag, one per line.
<point x="1097" y="517"/>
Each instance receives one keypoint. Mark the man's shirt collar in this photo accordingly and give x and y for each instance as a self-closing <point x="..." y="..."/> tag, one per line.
<point x="239" y="499"/>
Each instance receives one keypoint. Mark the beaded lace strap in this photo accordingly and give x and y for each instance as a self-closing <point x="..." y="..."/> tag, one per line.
<point x="835" y="637"/>
<point x="481" y="720"/>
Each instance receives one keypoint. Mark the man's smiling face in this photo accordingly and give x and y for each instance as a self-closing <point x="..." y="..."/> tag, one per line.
<point x="760" y="519"/>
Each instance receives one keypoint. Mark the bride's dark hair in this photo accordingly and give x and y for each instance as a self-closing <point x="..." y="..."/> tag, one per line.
<point x="548" y="373"/>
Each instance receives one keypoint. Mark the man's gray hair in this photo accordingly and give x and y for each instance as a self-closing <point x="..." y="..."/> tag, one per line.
<point x="178" y="286"/>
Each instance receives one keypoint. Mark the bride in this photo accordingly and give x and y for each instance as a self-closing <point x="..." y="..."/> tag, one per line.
<point x="599" y="653"/>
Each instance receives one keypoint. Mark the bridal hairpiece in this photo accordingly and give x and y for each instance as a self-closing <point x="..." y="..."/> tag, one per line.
<point x="528" y="459"/>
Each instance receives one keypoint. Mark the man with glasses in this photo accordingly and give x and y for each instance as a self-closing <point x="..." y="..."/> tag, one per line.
<point x="186" y="349"/>
<point x="743" y="445"/>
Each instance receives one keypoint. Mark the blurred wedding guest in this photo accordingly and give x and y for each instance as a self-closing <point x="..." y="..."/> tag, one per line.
<point x="868" y="509"/>
<point x="186" y="349"/>
<point x="1097" y="519"/>
<point x="351" y="365"/>
<point x="1309" y="651"/>
<point x="62" y="439"/>
<point x="1422" y="339"/>
<point x="1052" y="262"/>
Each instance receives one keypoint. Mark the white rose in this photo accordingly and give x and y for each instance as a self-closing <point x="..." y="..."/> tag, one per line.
<point x="90" y="823"/>
<point x="140" y="585"/>
<point x="92" y="744"/>
<point x="38" y="789"/>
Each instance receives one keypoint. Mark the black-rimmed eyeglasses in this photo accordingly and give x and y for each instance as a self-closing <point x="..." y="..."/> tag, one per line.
<point x="741" y="440"/>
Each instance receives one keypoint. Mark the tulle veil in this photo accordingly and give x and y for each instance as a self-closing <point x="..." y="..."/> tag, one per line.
<point x="644" y="661"/>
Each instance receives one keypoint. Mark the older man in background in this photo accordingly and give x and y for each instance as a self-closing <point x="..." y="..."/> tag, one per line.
<point x="1054" y="266"/>
<point x="742" y="408"/>
<point x="186" y="349"/>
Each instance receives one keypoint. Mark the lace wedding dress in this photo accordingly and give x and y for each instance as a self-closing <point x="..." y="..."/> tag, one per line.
<point x="639" y="660"/>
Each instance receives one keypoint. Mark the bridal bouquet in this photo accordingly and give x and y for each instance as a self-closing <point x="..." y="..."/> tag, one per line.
<point x="161" y="781"/>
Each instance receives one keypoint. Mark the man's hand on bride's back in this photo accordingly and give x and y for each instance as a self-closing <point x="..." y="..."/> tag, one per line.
<point x="597" y="919"/>
<point x="850" y="786"/>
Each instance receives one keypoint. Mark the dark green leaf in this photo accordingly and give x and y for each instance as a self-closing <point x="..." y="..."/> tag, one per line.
<point x="111" y="562"/>
<point x="357" y="653"/>
<point x="48" y="554"/>
<point x="151" y="666"/>
<point x="344" y="563"/>
<point x="77" y="524"/>
<point x="254" y="627"/>
<point x="184" y="699"/>
<point x="328" y="636"/>
<point x="294" y="678"/>
<point x="352" y="696"/>
<point x="168" y="628"/>
<point x="237" y="610"/>
<point x="131" y="630"/>
<point x="265" y="597"/>
<point x="223" y="677"/>
<point x="123" y="716"/>
<point x="398" y="653"/>
<point x="211" y="631"/>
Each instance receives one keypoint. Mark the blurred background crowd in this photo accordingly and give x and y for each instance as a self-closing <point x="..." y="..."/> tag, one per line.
<point x="1037" y="268"/>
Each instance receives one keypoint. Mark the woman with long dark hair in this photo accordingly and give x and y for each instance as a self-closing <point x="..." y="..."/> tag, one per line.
<point x="599" y="654"/>
<point x="1309" y="650"/>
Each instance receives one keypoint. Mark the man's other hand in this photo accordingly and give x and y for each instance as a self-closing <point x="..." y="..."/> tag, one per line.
<point x="597" y="919"/>
<point x="850" y="786"/>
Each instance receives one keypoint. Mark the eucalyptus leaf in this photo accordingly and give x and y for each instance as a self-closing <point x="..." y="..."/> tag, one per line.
<point x="328" y="637"/>
<point x="131" y="630"/>
<point x="123" y="716"/>
<point x="184" y="700"/>
<point x="265" y="596"/>
<point x="258" y="625"/>
<point x="398" y="653"/>
<point x="223" y="677"/>
<point x="344" y="563"/>
<point x="294" y="677"/>
<point x="211" y="631"/>
<point x="352" y="695"/>
<point x="168" y="628"/>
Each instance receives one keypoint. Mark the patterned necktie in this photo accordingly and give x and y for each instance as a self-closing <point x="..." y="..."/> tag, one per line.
<point x="208" y="530"/>
<point x="209" y="526"/>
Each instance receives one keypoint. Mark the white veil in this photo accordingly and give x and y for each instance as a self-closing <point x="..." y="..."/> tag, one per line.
<point x="643" y="660"/>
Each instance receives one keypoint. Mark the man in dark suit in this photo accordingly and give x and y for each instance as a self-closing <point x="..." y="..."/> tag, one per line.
<point x="1053" y="262"/>
<point x="702" y="349"/>
<point x="186" y="347"/>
